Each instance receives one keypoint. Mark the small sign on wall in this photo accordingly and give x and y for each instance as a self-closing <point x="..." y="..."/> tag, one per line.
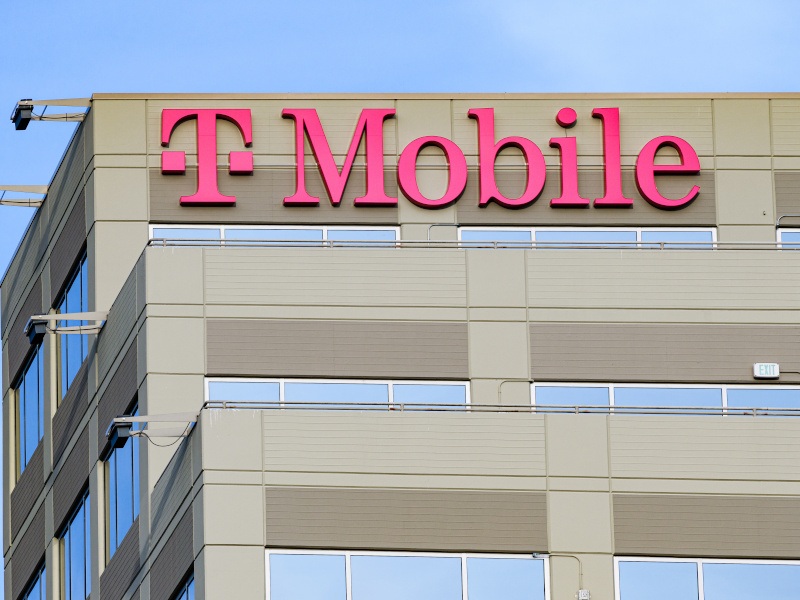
<point x="766" y="370"/>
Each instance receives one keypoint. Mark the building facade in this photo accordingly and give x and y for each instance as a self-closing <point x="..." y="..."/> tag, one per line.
<point x="437" y="347"/>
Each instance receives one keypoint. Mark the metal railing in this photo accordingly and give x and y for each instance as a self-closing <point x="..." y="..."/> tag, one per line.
<point x="467" y="245"/>
<point x="517" y="408"/>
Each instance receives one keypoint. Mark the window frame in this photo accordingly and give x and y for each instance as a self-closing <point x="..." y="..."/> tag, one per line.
<point x="464" y="556"/>
<point x="186" y="582"/>
<point x="779" y="231"/>
<point x="84" y="503"/>
<point x="77" y="271"/>
<point x="698" y="561"/>
<point x="37" y="355"/>
<point x="638" y="244"/>
<point x="324" y="229"/>
<point x="111" y="548"/>
<point x="282" y="381"/>
<point x="40" y="577"/>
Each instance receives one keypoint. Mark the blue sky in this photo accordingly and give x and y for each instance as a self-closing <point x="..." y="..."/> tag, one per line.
<point x="75" y="48"/>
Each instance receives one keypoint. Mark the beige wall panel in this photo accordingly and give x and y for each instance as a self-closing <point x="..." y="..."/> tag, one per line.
<point x="745" y="198"/>
<point x="18" y="346"/>
<point x="652" y="353"/>
<point x="174" y="277"/>
<point x="71" y="480"/>
<point x="787" y="196"/>
<point x="495" y="278"/>
<point x="337" y="349"/>
<point x="741" y="127"/>
<point x="231" y="572"/>
<point x="785" y="127"/>
<point x="120" y="194"/>
<point x="419" y="118"/>
<point x="416" y="520"/>
<point x="661" y="279"/>
<point x="498" y="350"/>
<point x="715" y="526"/>
<point x="580" y="522"/>
<point x="598" y="576"/>
<point x="272" y="134"/>
<point x="70" y="411"/>
<point x="119" y="325"/>
<point x="117" y="247"/>
<point x="259" y="199"/>
<point x="219" y="427"/>
<point x="175" y="345"/>
<point x="123" y="566"/>
<point x="174" y="561"/>
<point x="67" y="249"/>
<point x="29" y="554"/>
<point x="404" y="443"/>
<point x="737" y="234"/>
<point x="243" y="526"/>
<point x="119" y="126"/>
<point x="29" y="486"/>
<point x="350" y="277"/>
<point x="577" y="447"/>
<point x="511" y="182"/>
<point x="640" y="121"/>
<point x="710" y="448"/>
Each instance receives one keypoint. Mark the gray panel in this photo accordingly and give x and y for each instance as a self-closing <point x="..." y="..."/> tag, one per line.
<point x="71" y="480"/>
<point x="119" y="393"/>
<point x="170" y="490"/>
<point x="121" y="321"/>
<point x="416" y="520"/>
<point x="28" y="555"/>
<point x="719" y="526"/>
<point x="174" y="561"/>
<point x="511" y="182"/>
<point x="67" y="248"/>
<point x="21" y="269"/>
<point x="657" y="352"/>
<point x="27" y="490"/>
<point x="123" y="566"/>
<point x="70" y="411"/>
<point x="259" y="199"/>
<point x="787" y="196"/>
<point x="18" y="347"/>
<point x="337" y="348"/>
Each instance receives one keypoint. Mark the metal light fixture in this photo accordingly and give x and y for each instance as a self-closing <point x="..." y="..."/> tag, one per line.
<point x="38" y="325"/>
<point x="27" y="189"/>
<point x="23" y="111"/>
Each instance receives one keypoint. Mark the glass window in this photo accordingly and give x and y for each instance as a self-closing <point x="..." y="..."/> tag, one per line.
<point x="677" y="239"/>
<point x="563" y="395"/>
<point x="123" y="492"/>
<point x="363" y="235"/>
<point x="506" y="578"/>
<point x="671" y="397"/>
<point x="37" y="590"/>
<point x="763" y="398"/>
<point x="30" y="409"/>
<point x="647" y="580"/>
<point x="74" y="347"/>
<point x="405" y="577"/>
<point x="736" y="581"/>
<point x="556" y="237"/>
<point x="76" y="558"/>
<point x="281" y="235"/>
<point x="186" y="591"/>
<point x="420" y="393"/>
<point x="307" y="577"/>
<point x="341" y="393"/>
<point x="789" y="239"/>
<point x="244" y="391"/>
<point x="186" y="233"/>
<point x="508" y="237"/>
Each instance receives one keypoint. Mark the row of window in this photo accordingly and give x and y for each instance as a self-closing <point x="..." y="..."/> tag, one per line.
<point x="432" y="394"/>
<point x="390" y="576"/>
<point x="29" y="387"/>
<point x="504" y="237"/>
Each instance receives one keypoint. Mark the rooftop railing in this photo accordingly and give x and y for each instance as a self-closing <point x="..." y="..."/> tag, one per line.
<point x="497" y="408"/>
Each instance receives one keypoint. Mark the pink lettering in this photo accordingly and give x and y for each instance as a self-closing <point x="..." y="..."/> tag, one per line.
<point x="646" y="170"/>
<point x="568" y="147"/>
<point x="174" y="162"/>
<point x="456" y="165"/>
<point x="612" y="159"/>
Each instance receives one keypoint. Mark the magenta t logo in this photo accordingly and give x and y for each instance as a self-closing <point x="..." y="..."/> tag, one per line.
<point x="174" y="162"/>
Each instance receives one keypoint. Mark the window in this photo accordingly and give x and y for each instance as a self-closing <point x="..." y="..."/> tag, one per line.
<point x="617" y="237"/>
<point x="74" y="347"/>
<point x="342" y="393"/>
<point x="76" y="561"/>
<point x="122" y="477"/>
<point x="705" y="398"/>
<point x="186" y="590"/>
<point x="789" y="238"/>
<point x="37" y="590"/>
<point x="278" y="235"/>
<point x="711" y="579"/>
<point x="317" y="575"/>
<point x="30" y="409"/>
